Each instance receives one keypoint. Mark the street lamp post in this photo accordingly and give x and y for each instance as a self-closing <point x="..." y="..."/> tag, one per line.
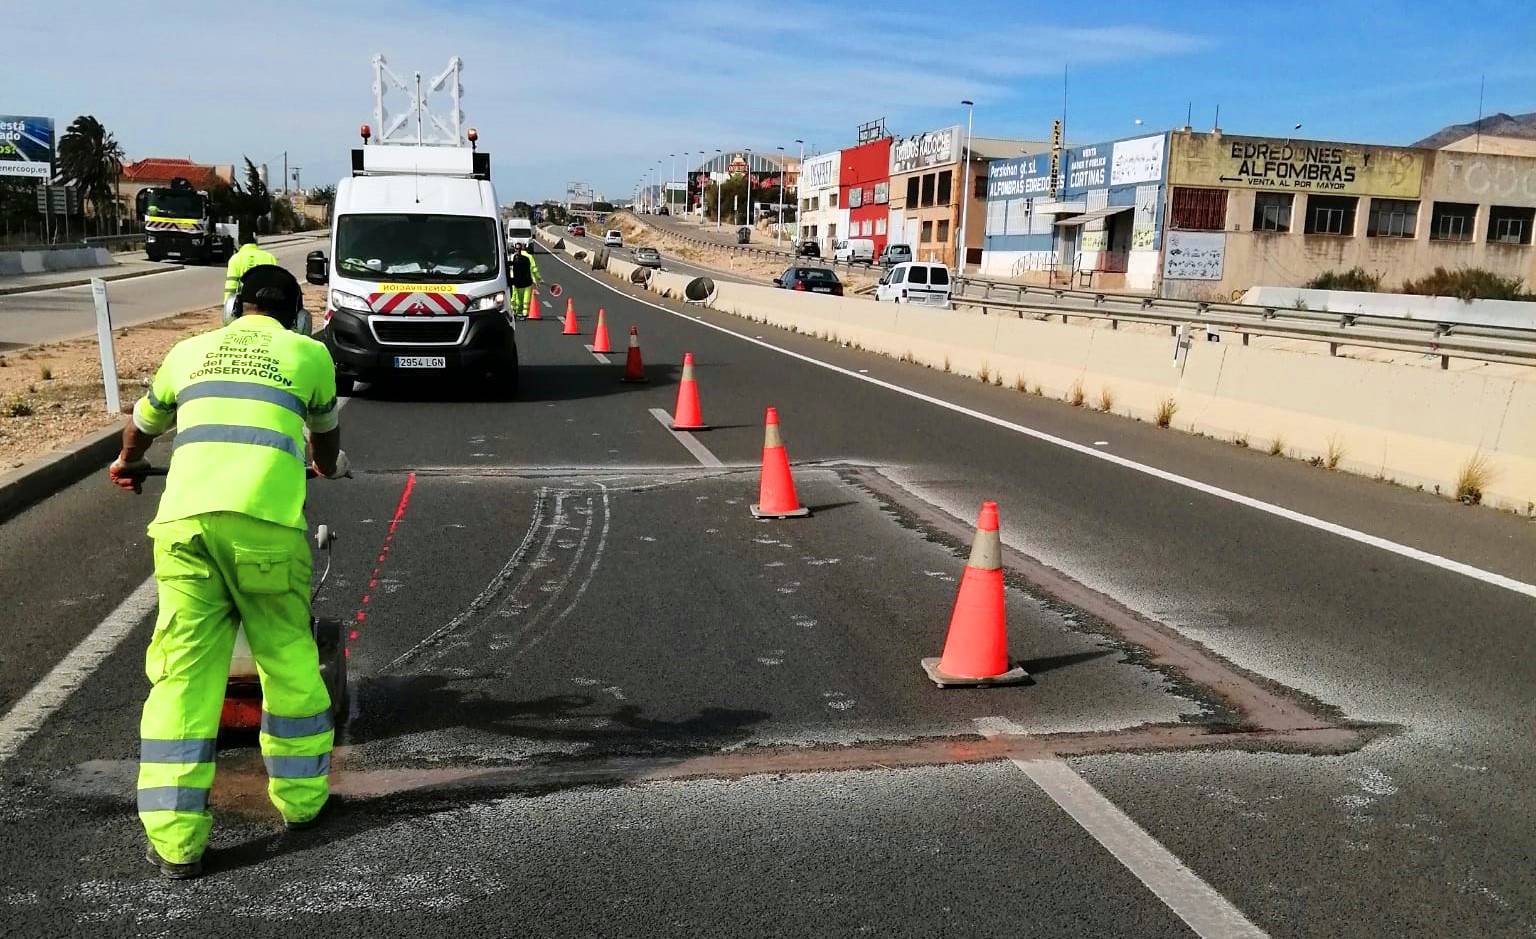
<point x="799" y="228"/>
<point x="702" y="210"/>
<point x="671" y="175"/>
<point x="658" y="186"/>
<point x="748" y="158"/>
<point x="965" y="190"/>
<point x="719" y="197"/>
<point x="778" y="235"/>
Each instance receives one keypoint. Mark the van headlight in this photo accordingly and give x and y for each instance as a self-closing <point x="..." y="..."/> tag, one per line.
<point x="495" y="301"/>
<point x="341" y="300"/>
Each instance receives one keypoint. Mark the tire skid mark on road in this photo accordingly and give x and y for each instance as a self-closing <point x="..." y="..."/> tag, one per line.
<point x="491" y="591"/>
<point x="597" y="560"/>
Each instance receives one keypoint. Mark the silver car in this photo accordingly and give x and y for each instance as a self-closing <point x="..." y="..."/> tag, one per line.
<point x="648" y="257"/>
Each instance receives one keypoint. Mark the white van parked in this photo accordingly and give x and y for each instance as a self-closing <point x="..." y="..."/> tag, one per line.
<point x="924" y="282"/>
<point x="854" y="249"/>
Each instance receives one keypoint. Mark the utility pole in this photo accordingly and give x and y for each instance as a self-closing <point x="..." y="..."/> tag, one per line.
<point x="748" y="158"/>
<point x="719" y="195"/>
<point x="285" y="172"/>
<point x="965" y="191"/>
<point x="778" y="235"/>
<point x="799" y="228"/>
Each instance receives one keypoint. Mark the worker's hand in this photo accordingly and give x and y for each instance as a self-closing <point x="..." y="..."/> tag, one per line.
<point x="343" y="468"/>
<point x="128" y="476"/>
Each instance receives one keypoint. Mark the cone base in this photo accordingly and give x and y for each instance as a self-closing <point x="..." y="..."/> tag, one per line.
<point x="1014" y="676"/>
<point x="677" y="426"/>
<point x="635" y="381"/>
<point x="757" y="512"/>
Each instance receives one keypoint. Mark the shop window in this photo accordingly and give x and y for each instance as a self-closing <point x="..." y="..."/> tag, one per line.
<point x="1452" y="221"/>
<point x="912" y="184"/>
<point x="1393" y="218"/>
<point x="1199" y="209"/>
<point x="1272" y="211"/>
<point x="944" y="231"/>
<point x="927" y="189"/>
<point x="1330" y="215"/>
<point x="882" y="193"/>
<point x="855" y="197"/>
<point x="946" y="183"/>
<point x="927" y="232"/>
<point x="1510" y="225"/>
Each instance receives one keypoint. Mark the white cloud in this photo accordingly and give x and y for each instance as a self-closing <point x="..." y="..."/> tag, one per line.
<point x="557" y="92"/>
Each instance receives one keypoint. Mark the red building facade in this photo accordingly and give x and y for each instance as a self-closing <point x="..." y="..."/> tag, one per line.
<point x="864" y="187"/>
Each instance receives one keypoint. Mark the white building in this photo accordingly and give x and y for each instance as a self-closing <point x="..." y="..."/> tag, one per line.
<point x="822" y="220"/>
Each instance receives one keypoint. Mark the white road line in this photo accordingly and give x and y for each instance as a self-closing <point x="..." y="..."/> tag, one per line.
<point x="27" y="716"/>
<point x="699" y="451"/>
<point x="1193" y="900"/>
<point x="1280" y="511"/>
<point x="599" y="356"/>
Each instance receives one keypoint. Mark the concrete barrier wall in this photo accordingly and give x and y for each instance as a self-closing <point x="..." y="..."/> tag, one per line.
<point x="58" y="259"/>
<point x="1414" y="425"/>
<point x="1514" y="314"/>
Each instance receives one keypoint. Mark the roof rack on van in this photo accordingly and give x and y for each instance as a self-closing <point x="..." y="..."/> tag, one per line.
<point x="418" y="142"/>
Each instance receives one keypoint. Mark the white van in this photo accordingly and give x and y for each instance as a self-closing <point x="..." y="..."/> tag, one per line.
<point x="519" y="232"/>
<point x="417" y="271"/>
<point x="853" y="250"/>
<point x="924" y="282"/>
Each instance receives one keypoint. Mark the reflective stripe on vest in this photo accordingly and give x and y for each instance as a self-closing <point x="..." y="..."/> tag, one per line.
<point x="176" y="751"/>
<point x="173" y="799"/>
<point x="287" y="727"/>
<point x="244" y="390"/>
<point x="238" y="433"/>
<point x="297" y="767"/>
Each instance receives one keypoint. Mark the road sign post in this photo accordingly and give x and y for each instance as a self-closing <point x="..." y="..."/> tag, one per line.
<point x="104" y="342"/>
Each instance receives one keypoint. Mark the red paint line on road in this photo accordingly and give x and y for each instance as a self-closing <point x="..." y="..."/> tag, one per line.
<point x="361" y="616"/>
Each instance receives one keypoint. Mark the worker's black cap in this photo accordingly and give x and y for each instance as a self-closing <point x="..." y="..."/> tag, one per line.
<point x="272" y="288"/>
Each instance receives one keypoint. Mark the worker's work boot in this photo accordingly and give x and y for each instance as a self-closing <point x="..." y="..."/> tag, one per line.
<point x="313" y="822"/>
<point x="172" y="871"/>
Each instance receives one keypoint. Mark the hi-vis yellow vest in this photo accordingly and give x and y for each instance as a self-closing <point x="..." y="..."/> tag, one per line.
<point x="240" y="398"/>
<point x="247" y="257"/>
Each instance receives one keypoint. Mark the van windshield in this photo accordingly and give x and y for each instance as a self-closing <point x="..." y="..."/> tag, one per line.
<point x="439" y="249"/>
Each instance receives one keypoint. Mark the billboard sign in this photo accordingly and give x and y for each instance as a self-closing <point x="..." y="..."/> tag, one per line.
<point x="1021" y="177"/>
<point x="1290" y="165"/>
<point x="26" y="147"/>
<point x="935" y="148"/>
<point x="821" y="171"/>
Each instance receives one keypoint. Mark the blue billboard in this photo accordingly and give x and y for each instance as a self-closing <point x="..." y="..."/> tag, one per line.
<point x="26" y="147"/>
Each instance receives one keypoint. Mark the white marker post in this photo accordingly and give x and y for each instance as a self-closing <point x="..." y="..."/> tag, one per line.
<point x="104" y="343"/>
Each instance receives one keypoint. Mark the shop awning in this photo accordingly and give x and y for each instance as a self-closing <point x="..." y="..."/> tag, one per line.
<point x="1095" y="215"/>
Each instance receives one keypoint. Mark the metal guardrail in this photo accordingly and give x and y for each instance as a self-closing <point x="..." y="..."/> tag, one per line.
<point x="754" y="249"/>
<point x="1445" y="340"/>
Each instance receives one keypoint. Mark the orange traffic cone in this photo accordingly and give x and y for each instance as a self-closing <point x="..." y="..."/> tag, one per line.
<point x="776" y="488"/>
<point x="634" y="368"/>
<point x="571" y="329"/>
<point x="976" y="651"/>
<point x="600" y="341"/>
<point x="687" y="416"/>
<point x="533" y="307"/>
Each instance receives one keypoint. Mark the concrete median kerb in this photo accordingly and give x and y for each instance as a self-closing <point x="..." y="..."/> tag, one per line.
<point x="40" y="478"/>
<point x="82" y="281"/>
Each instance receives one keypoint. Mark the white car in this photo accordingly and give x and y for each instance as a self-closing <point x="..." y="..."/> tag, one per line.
<point x="924" y="282"/>
<point x="613" y="239"/>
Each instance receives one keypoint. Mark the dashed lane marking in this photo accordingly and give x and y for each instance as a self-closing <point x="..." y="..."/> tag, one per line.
<point x="36" y="706"/>
<point x="598" y="355"/>
<point x="1279" y="511"/>
<point x="699" y="451"/>
<point x="1193" y="900"/>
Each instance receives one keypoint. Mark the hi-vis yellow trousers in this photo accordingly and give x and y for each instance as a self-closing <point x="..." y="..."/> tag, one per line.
<point x="216" y="571"/>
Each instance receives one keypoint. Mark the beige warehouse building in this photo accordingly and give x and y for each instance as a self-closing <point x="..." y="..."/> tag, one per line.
<point x="1249" y="211"/>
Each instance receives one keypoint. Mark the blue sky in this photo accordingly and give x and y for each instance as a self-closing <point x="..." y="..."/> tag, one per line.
<point x="599" y="91"/>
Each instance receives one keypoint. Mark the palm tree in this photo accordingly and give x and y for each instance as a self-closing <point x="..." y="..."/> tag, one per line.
<point x="91" y="160"/>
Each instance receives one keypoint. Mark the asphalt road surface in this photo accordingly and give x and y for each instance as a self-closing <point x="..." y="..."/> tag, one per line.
<point x="69" y="312"/>
<point x="592" y="696"/>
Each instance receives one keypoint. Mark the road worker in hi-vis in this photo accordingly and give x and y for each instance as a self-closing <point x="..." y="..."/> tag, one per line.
<point x="230" y="548"/>
<point x="247" y="257"/>
<point x="525" y="277"/>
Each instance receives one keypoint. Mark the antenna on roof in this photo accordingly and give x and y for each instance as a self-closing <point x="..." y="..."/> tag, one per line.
<point x="428" y="128"/>
<point x="1482" y="81"/>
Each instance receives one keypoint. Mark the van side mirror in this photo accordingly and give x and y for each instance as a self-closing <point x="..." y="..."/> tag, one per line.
<point x="317" y="268"/>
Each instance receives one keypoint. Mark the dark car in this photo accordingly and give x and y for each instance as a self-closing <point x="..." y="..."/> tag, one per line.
<point x="810" y="280"/>
<point x="808" y="249"/>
